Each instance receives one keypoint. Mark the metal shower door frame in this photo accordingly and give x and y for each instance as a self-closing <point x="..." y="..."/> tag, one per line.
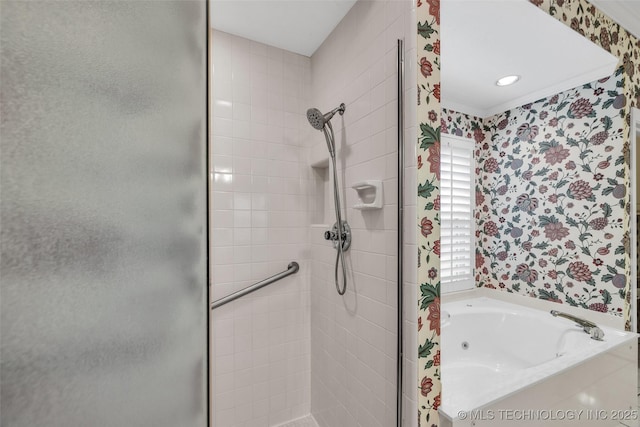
<point x="400" y="237"/>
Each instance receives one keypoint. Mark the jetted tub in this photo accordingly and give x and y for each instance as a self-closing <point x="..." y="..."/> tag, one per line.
<point x="510" y="365"/>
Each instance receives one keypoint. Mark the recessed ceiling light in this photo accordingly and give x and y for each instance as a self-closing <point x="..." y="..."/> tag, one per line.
<point x="507" y="80"/>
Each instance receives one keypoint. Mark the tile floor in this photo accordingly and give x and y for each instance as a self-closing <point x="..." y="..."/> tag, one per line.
<point x="307" y="421"/>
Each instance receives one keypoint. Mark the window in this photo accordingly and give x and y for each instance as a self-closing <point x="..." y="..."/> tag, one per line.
<point x="457" y="200"/>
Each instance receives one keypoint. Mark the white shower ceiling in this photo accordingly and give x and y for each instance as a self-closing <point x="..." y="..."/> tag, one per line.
<point x="298" y="26"/>
<point x="482" y="40"/>
<point x="485" y="40"/>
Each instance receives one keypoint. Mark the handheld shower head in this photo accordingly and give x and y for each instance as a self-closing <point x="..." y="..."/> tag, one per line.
<point x="322" y="122"/>
<point x="318" y="120"/>
<point x="315" y="117"/>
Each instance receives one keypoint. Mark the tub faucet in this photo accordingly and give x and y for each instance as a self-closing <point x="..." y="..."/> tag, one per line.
<point x="589" y="327"/>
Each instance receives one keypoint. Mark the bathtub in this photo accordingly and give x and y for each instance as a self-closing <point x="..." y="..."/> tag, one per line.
<point x="507" y="364"/>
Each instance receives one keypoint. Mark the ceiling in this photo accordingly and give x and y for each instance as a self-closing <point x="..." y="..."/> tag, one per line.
<point x="298" y="26"/>
<point x="522" y="39"/>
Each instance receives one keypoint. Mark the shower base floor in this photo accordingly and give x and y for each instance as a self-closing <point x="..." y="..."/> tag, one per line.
<point x="307" y="421"/>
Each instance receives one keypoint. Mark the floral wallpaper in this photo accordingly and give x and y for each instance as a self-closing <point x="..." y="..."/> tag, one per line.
<point x="428" y="150"/>
<point x="551" y="197"/>
<point x="565" y="157"/>
<point x="586" y="19"/>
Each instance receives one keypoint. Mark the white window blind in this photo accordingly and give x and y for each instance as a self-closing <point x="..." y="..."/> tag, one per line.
<point x="457" y="200"/>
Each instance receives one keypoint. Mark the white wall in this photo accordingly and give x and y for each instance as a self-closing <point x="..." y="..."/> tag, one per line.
<point x="353" y="337"/>
<point x="259" y="217"/>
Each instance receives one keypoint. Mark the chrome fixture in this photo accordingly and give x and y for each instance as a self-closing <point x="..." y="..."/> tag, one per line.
<point x="589" y="327"/>
<point x="318" y="120"/>
<point x="341" y="238"/>
<point x="400" y="241"/>
<point x="345" y="240"/>
<point x="292" y="268"/>
<point x="322" y="122"/>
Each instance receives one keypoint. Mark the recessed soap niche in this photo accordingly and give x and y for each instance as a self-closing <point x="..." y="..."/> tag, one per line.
<point x="321" y="201"/>
<point x="368" y="194"/>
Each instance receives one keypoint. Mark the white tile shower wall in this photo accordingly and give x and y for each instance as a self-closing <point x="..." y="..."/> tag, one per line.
<point x="259" y="209"/>
<point x="353" y="337"/>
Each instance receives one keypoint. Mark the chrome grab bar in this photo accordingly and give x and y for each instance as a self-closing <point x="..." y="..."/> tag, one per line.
<point x="292" y="268"/>
<point x="589" y="327"/>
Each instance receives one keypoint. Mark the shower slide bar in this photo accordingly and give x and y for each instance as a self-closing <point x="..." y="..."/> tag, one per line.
<point x="292" y="268"/>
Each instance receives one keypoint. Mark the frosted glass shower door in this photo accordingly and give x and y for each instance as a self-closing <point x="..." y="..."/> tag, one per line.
<point x="103" y="203"/>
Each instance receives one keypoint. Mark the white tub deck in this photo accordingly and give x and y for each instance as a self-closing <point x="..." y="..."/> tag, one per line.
<point x="499" y="356"/>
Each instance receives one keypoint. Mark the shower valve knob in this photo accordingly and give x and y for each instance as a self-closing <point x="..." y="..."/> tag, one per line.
<point x="332" y="235"/>
<point x="344" y="236"/>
